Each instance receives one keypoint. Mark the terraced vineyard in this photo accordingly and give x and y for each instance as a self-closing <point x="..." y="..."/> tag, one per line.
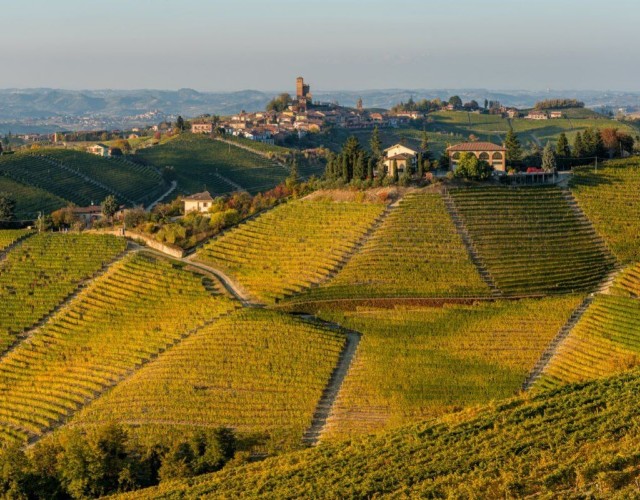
<point x="416" y="252"/>
<point x="199" y="162"/>
<point x="140" y="308"/>
<point x="609" y="197"/>
<point x="43" y="271"/>
<point x="414" y="363"/>
<point x="29" y="199"/>
<point x="532" y="241"/>
<point x="605" y="341"/>
<point x="258" y="371"/>
<point x="579" y="441"/>
<point x="291" y="247"/>
<point x="10" y="236"/>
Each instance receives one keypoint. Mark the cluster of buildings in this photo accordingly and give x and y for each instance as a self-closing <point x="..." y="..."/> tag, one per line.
<point x="537" y="114"/>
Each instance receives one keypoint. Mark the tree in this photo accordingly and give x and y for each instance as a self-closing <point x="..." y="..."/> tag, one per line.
<point x="7" y="207"/>
<point x="455" y="101"/>
<point x="375" y="144"/>
<point x="109" y="207"/>
<point x="424" y="143"/>
<point x="180" y="123"/>
<point x="359" y="166"/>
<point x="370" y="166"/>
<point x="394" y="171"/>
<point x="589" y="142"/>
<point x="420" y="166"/>
<point x="0" y="148"/>
<point x="578" y="146"/>
<point x="562" y="147"/>
<point x="279" y="103"/>
<point x="292" y="180"/>
<point x="548" y="159"/>
<point x="469" y="167"/>
<point x="486" y="104"/>
<point x="512" y="145"/>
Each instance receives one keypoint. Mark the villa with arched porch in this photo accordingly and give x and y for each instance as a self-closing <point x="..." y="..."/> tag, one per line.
<point x="494" y="155"/>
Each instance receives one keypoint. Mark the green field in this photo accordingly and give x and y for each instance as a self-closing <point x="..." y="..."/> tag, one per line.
<point x="580" y="441"/>
<point x="260" y="372"/>
<point x="414" y="363"/>
<point x="197" y="159"/>
<point x="609" y="198"/>
<point x="29" y="199"/>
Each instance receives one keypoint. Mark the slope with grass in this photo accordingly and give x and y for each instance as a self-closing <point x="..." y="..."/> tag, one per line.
<point x="416" y="252"/>
<point x="258" y="371"/>
<point x="417" y="362"/>
<point x="197" y="159"/>
<point x="579" y="441"/>
<point x="42" y="271"/>
<point x="123" y="319"/>
<point x="291" y="247"/>
<point x="609" y="197"/>
<point x="30" y="199"/>
<point x="532" y="241"/>
<point x="605" y="341"/>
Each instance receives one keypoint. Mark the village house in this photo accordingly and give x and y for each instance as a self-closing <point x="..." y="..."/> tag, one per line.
<point x="88" y="215"/>
<point x="199" y="202"/>
<point x="494" y="155"/>
<point x="537" y="115"/>
<point x="202" y="128"/>
<point x="399" y="156"/>
<point x="99" y="150"/>
<point x="555" y="114"/>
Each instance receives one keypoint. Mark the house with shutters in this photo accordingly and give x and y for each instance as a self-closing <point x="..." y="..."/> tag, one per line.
<point x="493" y="154"/>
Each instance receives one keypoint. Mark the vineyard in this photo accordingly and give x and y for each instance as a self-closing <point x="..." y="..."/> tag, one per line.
<point x="532" y="241"/>
<point x="415" y="363"/>
<point x="609" y="197"/>
<point x="580" y="441"/>
<point x="258" y="371"/>
<point x="9" y="236"/>
<point x="416" y="252"/>
<point x="199" y="162"/>
<point x="42" y="272"/>
<point x="140" y="308"/>
<point x="29" y="199"/>
<point x="291" y="247"/>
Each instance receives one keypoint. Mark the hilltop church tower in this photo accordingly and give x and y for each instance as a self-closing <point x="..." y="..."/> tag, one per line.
<point x="303" y="94"/>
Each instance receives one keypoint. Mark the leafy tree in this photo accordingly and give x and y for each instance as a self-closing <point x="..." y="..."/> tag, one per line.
<point x="180" y="123"/>
<point x="109" y="207"/>
<point x="375" y="144"/>
<point x="455" y="101"/>
<point x="424" y="143"/>
<point x="279" y="103"/>
<point x="512" y="144"/>
<point x="548" y="159"/>
<point x="7" y="206"/>
<point x="469" y="167"/>
<point x="578" y="146"/>
<point x="562" y="147"/>
<point x="292" y="180"/>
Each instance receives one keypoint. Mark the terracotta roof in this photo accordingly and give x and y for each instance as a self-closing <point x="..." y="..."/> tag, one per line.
<point x="476" y="146"/>
<point x="204" y="196"/>
<point x="401" y="156"/>
<point x="93" y="209"/>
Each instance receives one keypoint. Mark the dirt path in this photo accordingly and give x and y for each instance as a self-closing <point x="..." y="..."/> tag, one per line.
<point x="174" y="185"/>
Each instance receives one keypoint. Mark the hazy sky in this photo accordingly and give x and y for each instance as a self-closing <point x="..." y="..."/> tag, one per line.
<point x="335" y="44"/>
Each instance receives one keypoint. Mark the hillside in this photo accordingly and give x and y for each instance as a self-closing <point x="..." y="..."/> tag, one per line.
<point x="577" y="441"/>
<point x="30" y="199"/>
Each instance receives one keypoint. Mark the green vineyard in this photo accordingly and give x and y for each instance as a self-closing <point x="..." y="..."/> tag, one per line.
<point x="9" y="236"/>
<point x="291" y="247"/>
<point x="609" y="197"/>
<point x="43" y="271"/>
<point x="258" y="371"/>
<point x="30" y="200"/>
<point x="415" y="363"/>
<point x="532" y="241"/>
<point x="140" y="308"/>
<point x="416" y="252"/>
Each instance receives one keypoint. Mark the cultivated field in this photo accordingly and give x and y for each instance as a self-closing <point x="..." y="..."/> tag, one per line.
<point x="29" y="199"/>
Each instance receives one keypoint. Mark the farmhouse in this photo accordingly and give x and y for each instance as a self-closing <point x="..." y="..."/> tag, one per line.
<point x="202" y="128"/>
<point x="537" y="115"/>
<point x="99" y="149"/>
<point x="400" y="156"/>
<point x="493" y="154"/>
<point x="199" y="202"/>
<point x="555" y="114"/>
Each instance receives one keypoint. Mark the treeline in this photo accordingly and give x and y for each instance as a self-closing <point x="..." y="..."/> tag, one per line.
<point x="559" y="104"/>
<point x="106" y="460"/>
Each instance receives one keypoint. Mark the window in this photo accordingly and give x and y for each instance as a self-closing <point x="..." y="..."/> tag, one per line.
<point x="484" y="156"/>
<point x="497" y="156"/>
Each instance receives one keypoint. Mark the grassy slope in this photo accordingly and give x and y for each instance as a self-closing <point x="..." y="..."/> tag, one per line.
<point x="577" y="440"/>
<point x="417" y="362"/>
<point x="196" y="160"/>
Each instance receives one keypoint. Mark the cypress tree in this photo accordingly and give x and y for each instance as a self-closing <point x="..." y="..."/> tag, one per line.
<point x="589" y="142"/>
<point x="512" y="144"/>
<point x="345" y="168"/>
<point x="370" y="164"/>
<point x="375" y="144"/>
<point x="358" y="167"/>
<point x="600" y="150"/>
<point x="420" y="166"/>
<point x="394" y="170"/>
<point x="578" y="146"/>
<point x="562" y="147"/>
<point x="548" y="159"/>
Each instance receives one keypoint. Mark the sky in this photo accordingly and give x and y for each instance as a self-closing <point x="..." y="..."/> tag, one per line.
<point x="211" y="45"/>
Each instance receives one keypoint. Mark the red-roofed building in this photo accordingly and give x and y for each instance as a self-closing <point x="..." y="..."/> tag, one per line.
<point x="494" y="155"/>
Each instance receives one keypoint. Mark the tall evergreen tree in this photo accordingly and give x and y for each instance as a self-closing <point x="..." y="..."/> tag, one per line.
<point x="600" y="149"/>
<point x="589" y="142"/>
<point x="424" y="143"/>
<point x="394" y="171"/>
<point x="370" y="165"/>
<point x="358" y="167"/>
<point x="346" y="177"/>
<point x="420" y="166"/>
<point x="7" y="207"/>
<point x="375" y="144"/>
<point x="513" y="147"/>
<point x="548" y="159"/>
<point x="578" y="146"/>
<point x="562" y="147"/>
